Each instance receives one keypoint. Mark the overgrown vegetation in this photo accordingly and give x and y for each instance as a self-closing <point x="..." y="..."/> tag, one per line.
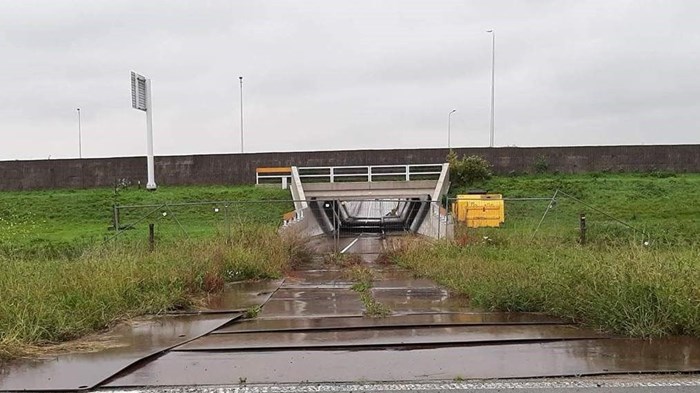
<point x="49" y="301"/>
<point x="65" y="274"/>
<point x="468" y="170"/>
<point x="632" y="290"/>
<point x="541" y="164"/>
<point x="363" y="277"/>
<point x="637" y="275"/>
<point x="357" y="271"/>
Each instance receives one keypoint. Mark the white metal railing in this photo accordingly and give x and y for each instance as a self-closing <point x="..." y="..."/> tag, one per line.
<point x="368" y="173"/>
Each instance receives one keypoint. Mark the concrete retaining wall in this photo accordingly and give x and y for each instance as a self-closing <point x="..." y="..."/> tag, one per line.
<point x="240" y="168"/>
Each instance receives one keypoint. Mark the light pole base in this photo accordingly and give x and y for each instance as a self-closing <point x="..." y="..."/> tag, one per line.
<point x="151" y="186"/>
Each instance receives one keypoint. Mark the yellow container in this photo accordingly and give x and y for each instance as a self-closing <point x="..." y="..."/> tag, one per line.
<point x="480" y="210"/>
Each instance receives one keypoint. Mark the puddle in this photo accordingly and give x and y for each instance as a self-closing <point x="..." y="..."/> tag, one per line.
<point x="553" y="359"/>
<point x="73" y="371"/>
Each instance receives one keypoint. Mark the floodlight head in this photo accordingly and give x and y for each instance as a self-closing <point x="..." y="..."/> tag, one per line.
<point x="138" y="92"/>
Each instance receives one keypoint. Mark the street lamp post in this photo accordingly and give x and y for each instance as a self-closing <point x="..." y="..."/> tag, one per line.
<point x="449" y="125"/>
<point x="80" y="137"/>
<point x="493" y="73"/>
<point x="240" y="79"/>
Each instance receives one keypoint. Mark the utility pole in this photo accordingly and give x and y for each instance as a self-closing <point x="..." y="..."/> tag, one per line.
<point x="80" y="137"/>
<point x="493" y="78"/>
<point x="449" y="125"/>
<point x="240" y="79"/>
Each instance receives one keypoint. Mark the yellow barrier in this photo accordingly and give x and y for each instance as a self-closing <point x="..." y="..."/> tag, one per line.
<point x="279" y="169"/>
<point x="480" y="210"/>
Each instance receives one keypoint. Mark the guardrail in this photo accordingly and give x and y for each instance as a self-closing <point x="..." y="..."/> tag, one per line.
<point x="333" y="174"/>
<point x="273" y="175"/>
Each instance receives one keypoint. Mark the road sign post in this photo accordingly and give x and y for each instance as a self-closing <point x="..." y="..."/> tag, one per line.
<point x="141" y="100"/>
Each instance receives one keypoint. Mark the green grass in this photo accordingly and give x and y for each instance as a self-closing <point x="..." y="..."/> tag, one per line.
<point x="664" y="206"/>
<point x="631" y="290"/>
<point x="66" y="274"/>
<point x="63" y="277"/>
<point x="363" y="277"/>
<point x="58" y="223"/>
<point x="640" y="281"/>
<point x="54" y="300"/>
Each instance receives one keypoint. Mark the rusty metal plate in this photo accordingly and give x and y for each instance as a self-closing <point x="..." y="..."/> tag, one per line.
<point x="387" y="338"/>
<point x="414" y="320"/>
<point x="553" y="359"/>
<point x="132" y="343"/>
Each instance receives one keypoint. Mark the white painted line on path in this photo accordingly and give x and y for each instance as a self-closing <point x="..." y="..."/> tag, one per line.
<point x="352" y="243"/>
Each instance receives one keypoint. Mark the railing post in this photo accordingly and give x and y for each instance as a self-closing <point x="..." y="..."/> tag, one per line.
<point x="332" y="175"/>
<point x="369" y="174"/>
<point x="408" y="173"/>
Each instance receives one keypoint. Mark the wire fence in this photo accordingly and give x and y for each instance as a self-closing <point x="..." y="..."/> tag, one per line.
<point x="566" y="218"/>
<point x="225" y="219"/>
<point x="561" y="217"/>
<point x="174" y="221"/>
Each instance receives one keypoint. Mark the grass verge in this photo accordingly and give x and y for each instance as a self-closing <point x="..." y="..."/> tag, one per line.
<point x="631" y="290"/>
<point x="54" y="300"/>
<point x="65" y="223"/>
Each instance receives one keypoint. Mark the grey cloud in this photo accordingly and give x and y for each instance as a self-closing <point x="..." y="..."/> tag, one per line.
<point x="337" y="75"/>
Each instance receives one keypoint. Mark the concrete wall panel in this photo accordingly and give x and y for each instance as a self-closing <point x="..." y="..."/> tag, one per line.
<point x="240" y="168"/>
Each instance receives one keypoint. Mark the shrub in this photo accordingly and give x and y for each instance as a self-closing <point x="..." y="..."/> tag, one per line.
<point x="541" y="165"/>
<point x="468" y="170"/>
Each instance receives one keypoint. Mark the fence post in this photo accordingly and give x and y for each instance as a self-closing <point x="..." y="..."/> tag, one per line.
<point x="151" y="237"/>
<point x="228" y="224"/>
<point x="582" y="228"/>
<point x="115" y="218"/>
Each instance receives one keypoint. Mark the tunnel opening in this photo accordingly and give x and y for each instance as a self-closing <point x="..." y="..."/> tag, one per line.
<point x="351" y="216"/>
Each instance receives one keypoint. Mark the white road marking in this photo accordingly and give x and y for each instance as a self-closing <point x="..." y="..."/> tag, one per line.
<point x="350" y="245"/>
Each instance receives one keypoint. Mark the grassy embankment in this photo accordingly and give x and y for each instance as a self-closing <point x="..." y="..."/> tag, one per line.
<point x="614" y="282"/>
<point x="61" y="280"/>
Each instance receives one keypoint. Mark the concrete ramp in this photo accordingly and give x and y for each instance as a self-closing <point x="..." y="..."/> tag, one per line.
<point x="331" y="201"/>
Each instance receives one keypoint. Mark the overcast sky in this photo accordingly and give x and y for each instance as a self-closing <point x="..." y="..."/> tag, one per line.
<point x="322" y="75"/>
